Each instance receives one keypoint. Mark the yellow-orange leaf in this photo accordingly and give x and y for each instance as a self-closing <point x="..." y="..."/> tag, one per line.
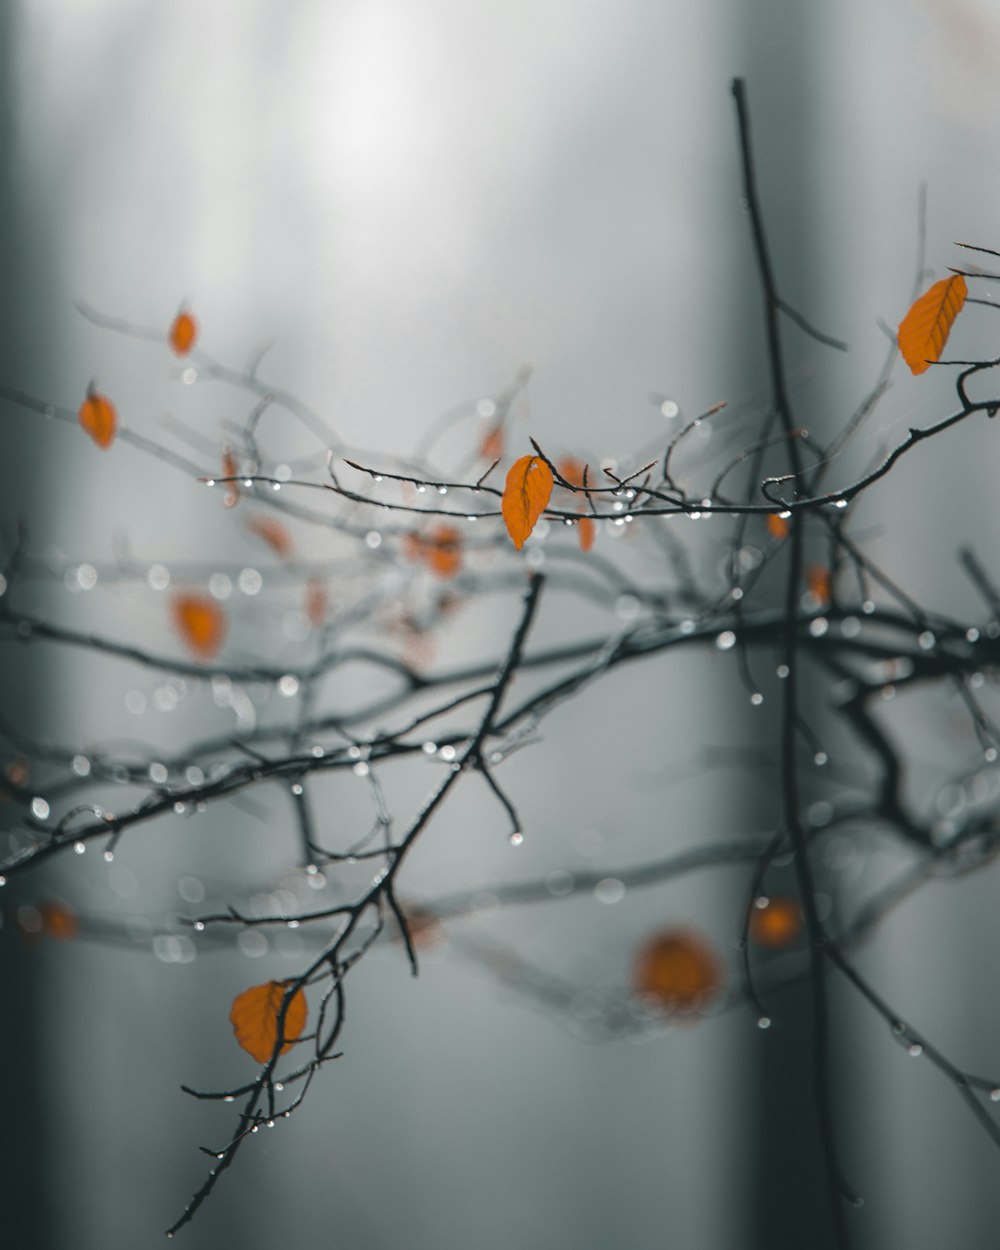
<point x="491" y="448"/>
<point x="778" y="923"/>
<point x="273" y="533"/>
<point x="98" y="417"/>
<point x="676" y="969"/>
<point x="924" y="330"/>
<point x="183" y="333"/>
<point x="200" y="622"/>
<point x="525" y="495"/>
<point x="585" y="532"/>
<point x="777" y="526"/>
<point x="254" y="1017"/>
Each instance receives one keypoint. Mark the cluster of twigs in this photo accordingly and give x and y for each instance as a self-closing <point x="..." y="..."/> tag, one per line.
<point x="844" y="619"/>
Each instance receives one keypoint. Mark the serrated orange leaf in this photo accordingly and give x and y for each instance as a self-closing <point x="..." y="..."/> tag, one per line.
<point x="525" y="495"/>
<point x="491" y="448"/>
<point x="98" y="417"/>
<point x="183" y="333"/>
<point x="777" y="923"/>
<point x="585" y="532"/>
<point x="777" y="526"/>
<point x="924" y="330"/>
<point x="200" y="622"/>
<point x="273" y="533"/>
<point x="677" y="969"/>
<point x="254" y="1017"/>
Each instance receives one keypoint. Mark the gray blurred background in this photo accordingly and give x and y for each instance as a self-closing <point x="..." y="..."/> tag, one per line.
<point x="412" y="200"/>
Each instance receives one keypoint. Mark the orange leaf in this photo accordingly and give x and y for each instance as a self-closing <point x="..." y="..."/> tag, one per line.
<point x="571" y="470"/>
<point x="525" y="494"/>
<point x="316" y="602"/>
<point x="777" y="923"/>
<point x="183" y="333"/>
<point x="777" y="526"/>
<point x="924" y="330"/>
<point x="678" y="970"/>
<point x="200" y="622"/>
<point x="273" y="533"/>
<point x="59" y="921"/>
<point x="585" y="532"/>
<point x="491" y="448"/>
<point x="254" y="1016"/>
<point x="232" y="495"/>
<point x="98" y="417"/>
<point x="443" y="551"/>
<point x="819" y="582"/>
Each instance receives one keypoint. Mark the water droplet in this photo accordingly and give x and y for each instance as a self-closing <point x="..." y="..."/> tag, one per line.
<point x="609" y="890"/>
<point x="782" y="671"/>
<point x="914" y="1049"/>
<point x="820" y="759"/>
<point x="297" y="790"/>
<point x="228" y="1098"/>
<point x="516" y="838"/>
<point x="250" y="581"/>
<point x="868" y="607"/>
<point x="79" y="847"/>
<point x="373" y="540"/>
<point x="990" y="753"/>
<point x="972" y="635"/>
<point x="81" y="765"/>
<point x="995" y="1095"/>
<point x="726" y="640"/>
<point x="109" y="857"/>
<point x="199" y="926"/>
<point x="279" y="1086"/>
<point x="926" y="640"/>
<point x="288" y="685"/>
<point x="818" y="626"/>
<point x="841" y="503"/>
<point x="318" y="752"/>
<point x="670" y="409"/>
<point x="898" y="1028"/>
<point x="293" y="924"/>
<point x="3" y="880"/>
<point x="736" y="594"/>
<point x="361" y="769"/>
<point x="756" y="698"/>
<point x="442" y="490"/>
<point x="761" y="902"/>
<point x="763" y="1022"/>
<point x="421" y="489"/>
<point x="448" y="753"/>
<point x="210" y="481"/>
<point x="157" y="773"/>
<point x="39" y="808"/>
<point x="220" y="586"/>
<point x="429" y="748"/>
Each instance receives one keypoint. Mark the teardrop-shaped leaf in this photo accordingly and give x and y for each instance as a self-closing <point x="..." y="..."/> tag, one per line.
<point x="924" y="330"/>
<point x="525" y="495"/>
<point x="183" y="333"/>
<point x="98" y="417"/>
<point x="443" y="551"/>
<point x="491" y="448"/>
<point x="273" y="533"/>
<point x="254" y="1016"/>
<point x="200" y="622"/>
<point x="316" y="602"/>
<point x="232" y="495"/>
<point x="777" y="526"/>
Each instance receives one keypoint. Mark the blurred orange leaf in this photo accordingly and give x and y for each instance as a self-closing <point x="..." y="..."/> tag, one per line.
<point x="777" y="923"/>
<point x="98" y="417"/>
<point x="585" y="532"/>
<point x="924" y="330"/>
<point x="200" y="622"/>
<point x="443" y="551"/>
<point x="316" y="602"/>
<point x="491" y="448"/>
<point x="525" y="494"/>
<point x="678" y="970"/>
<point x="819" y="581"/>
<point x="232" y="495"/>
<point x="571" y="470"/>
<point x="183" y="333"/>
<point x="59" y="921"/>
<point x="777" y="526"/>
<point x="273" y="533"/>
<point x="254" y="1017"/>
